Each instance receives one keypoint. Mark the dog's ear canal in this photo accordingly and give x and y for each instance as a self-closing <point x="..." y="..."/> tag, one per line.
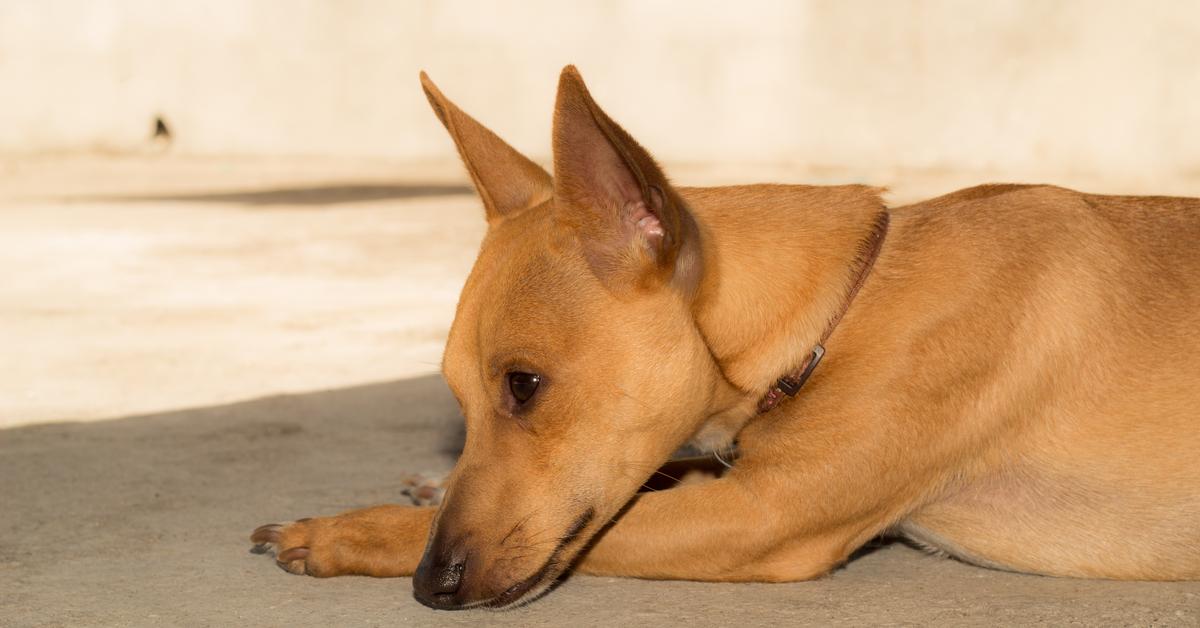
<point x="506" y="180"/>
<point x="632" y="224"/>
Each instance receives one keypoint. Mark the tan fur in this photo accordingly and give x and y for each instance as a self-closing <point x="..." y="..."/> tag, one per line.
<point x="1017" y="383"/>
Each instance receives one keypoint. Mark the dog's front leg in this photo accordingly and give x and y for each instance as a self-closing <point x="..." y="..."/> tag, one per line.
<point x="381" y="541"/>
<point x="736" y="528"/>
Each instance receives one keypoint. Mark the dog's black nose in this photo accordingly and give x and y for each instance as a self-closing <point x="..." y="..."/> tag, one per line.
<point x="450" y="578"/>
<point x="437" y="582"/>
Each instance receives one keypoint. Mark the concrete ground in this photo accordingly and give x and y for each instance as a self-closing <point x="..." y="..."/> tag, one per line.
<point x="195" y="347"/>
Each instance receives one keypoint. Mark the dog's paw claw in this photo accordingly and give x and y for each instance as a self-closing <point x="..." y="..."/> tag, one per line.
<point x="265" y="536"/>
<point x="294" y="553"/>
<point x="289" y="555"/>
<point x="293" y="560"/>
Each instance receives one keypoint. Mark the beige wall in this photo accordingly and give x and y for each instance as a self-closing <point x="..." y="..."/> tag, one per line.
<point x="1017" y="86"/>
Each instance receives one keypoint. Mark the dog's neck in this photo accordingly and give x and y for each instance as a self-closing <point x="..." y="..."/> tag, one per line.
<point x="778" y="263"/>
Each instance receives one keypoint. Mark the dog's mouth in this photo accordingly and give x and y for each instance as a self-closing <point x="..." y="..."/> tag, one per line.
<point x="543" y="579"/>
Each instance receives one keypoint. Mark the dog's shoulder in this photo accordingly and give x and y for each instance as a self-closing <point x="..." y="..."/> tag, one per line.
<point x="783" y="195"/>
<point x="999" y="196"/>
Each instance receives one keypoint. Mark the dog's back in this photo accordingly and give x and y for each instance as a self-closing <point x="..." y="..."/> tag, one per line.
<point x="1075" y="328"/>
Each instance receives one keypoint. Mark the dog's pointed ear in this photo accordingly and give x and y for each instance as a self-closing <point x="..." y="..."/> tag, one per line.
<point x="506" y="180"/>
<point x="633" y="225"/>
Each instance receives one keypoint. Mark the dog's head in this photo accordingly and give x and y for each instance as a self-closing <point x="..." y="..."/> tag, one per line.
<point x="574" y="353"/>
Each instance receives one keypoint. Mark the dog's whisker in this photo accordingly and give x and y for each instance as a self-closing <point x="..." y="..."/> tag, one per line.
<point x="515" y="527"/>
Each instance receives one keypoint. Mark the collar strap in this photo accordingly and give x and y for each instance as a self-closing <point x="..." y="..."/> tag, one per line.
<point x="790" y="384"/>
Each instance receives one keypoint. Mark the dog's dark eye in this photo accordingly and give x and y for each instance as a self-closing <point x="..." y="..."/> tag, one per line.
<point x="523" y="385"/>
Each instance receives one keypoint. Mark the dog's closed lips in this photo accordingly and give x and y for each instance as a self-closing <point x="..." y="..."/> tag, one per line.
<point x="446" y="567"/>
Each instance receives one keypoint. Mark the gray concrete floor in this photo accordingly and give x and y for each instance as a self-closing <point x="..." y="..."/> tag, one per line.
<point x="198" y="347"/>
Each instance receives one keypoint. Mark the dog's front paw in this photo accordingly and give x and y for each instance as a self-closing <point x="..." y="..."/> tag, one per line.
<point x="291" y="543"/>
<point x="382" y="541"/>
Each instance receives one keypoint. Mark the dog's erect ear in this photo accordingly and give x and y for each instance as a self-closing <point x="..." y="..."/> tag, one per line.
<point x="507" y="181"/>
<point x="632" y="223"/>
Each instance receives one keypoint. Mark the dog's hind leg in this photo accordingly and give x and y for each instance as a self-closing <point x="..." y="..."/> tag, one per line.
<point x="381" y="541"/>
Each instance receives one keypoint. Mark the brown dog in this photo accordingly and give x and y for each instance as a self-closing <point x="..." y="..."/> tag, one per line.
<point x="1017" y="382"/>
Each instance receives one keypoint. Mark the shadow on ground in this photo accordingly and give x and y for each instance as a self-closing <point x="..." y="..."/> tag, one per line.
<point x="309" y="196"/>
<point x="108" y="522"/>
<point x="143" y="521"/>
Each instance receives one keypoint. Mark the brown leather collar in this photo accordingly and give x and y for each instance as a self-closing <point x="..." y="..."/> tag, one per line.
<point x="790" y="383"/>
